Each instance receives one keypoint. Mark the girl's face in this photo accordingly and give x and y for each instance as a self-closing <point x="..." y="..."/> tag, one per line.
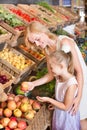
<point x="56" y="68"/>
<point x="40" y="39"/>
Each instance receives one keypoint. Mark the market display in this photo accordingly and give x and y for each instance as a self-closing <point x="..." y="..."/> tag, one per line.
<point x="11" y="19"/>
<point x="16" y="107"/>
<point x="4" y="34"/>
<point x="22" y="111"/>
<point x="36" y="54"/>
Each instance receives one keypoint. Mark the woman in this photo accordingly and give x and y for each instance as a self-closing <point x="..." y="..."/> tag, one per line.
<point x="38" y="34"/>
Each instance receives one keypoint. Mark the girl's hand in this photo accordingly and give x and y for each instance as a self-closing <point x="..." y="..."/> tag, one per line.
<point x="42" y="99"/>
<point x="27" y="86"/>
<point x="75" y="106"/>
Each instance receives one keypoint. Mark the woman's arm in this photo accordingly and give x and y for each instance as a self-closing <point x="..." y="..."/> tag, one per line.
<point x="78" y="70"/>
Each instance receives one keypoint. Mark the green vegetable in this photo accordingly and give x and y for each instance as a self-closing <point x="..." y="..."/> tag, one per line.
<point x="43" y="90"/>
<point x="47" y="6"/>
<point x="60" y="31"/>
<point x="18" y="91"/>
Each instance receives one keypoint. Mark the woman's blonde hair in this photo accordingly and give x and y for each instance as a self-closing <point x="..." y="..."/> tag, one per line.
<point x="37" y="27"/>
<point x="66" y="57"/>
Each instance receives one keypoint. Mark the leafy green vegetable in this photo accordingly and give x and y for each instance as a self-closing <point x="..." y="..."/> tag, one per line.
<point x="60" y="31"/>
<point x="47" y="6"/>
<point x="9" y="18"/>
<point x="43" y="90"/>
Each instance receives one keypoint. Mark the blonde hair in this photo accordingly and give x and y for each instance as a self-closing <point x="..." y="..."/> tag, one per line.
<point x="37" y="27"/>
<point x="66" y="57"/>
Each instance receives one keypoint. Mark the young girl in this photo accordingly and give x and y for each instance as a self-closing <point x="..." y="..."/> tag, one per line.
<point x="65" y="91"/>
<point x="37" y="34"/>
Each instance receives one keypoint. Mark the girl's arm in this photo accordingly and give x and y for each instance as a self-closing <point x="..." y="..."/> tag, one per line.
<point x="68" y="99"/>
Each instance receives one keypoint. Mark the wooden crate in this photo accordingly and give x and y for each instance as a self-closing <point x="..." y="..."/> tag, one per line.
<point x="17" y="73"/>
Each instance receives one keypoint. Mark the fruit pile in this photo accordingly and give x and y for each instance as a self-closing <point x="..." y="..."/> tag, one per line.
<point x="16" y="60"/>
<point x="13" y="123"/>
<point x="3" y="79"/>
<point x="11" y="19"/>
<point x="18" y="107"/>
<point x="36" y="54"/>
<point x="23" y="15"/>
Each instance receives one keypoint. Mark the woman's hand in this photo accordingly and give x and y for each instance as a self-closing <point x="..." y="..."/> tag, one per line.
<point x="27" y="86"/>
<point x="75" y="106"/>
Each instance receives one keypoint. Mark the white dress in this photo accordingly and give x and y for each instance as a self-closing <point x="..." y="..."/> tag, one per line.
<point x="83" y="103"/>
<point x="63" y="120"/>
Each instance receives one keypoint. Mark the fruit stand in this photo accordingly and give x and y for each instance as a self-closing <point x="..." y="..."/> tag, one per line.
<point x="18" y="63"/>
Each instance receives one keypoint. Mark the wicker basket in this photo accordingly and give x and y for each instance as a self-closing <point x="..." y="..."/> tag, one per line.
<point x="41" y="121"/>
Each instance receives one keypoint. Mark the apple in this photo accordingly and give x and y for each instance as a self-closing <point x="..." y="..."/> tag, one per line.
<point x="17" y="99"/>
<point x="18" y="104"/>
<point x="11" y="104"/>
<point x="36" y="105"/>
<point x="31" y="101"/>
<point x="17" y="112"/>
<point x="24" y="107"/>
<point x="1" y="111"/>
<point x="5" y="121"/>
<point x="7" y="112"/>
<point x="25" y="100"/>
<point x="22" y="124"/>
<point x="3" y="104"/>
<point x="7" y="128"/>
<point x="1" y="126"/>
<point x="12" y="124"/>
<point x="24" y="86"/>
<point x="29" y="115"/>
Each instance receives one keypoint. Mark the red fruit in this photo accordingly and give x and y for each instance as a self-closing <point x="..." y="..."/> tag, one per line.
<point x="13" y="118"/>
<point x="1" y="111"/>
<point x="11" y="105"/>
<point x="7" y="112"/>
<point x="5" y="121"/>
<point x="3" y="104"/>
<point x="22" y="124"/>
<point x="12" y="124"/>
<point x="7" y="128"/>
<point x="36" y="105"/>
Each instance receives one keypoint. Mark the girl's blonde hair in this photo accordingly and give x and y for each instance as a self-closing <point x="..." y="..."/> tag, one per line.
<point x="66" y="57"/>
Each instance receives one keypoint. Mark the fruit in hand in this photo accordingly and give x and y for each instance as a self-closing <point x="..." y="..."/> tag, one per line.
<point x="24" y="87"/>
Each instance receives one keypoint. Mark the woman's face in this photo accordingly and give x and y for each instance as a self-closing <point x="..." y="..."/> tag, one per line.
<point x="40" y="39"/>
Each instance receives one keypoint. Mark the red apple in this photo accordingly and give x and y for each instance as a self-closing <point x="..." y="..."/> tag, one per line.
<point x="12" y="124"/>
<point x="5" y="121"/>
<point x="3" y="104"/>
<point x="11" y="104"/>
<point x="36" y="105"/>
<point x="7" y="112"/>
<point x="22" y="124"/>
<point x="1" y="111"/>
<point x="24" y="87"/>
